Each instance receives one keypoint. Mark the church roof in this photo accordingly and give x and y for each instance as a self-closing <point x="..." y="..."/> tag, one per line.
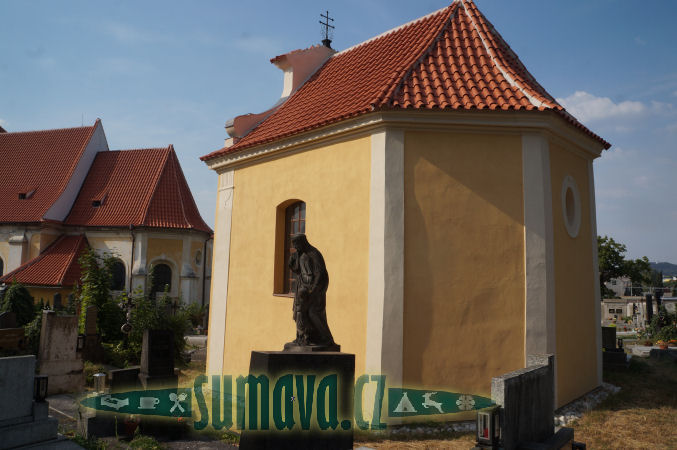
<point x="57" y="265"/>
<point x="144" y="187"/>
<point x="452" y="59"/>
<point x="36" y="167"/>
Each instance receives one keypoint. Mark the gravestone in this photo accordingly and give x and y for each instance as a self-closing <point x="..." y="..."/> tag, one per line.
<point x="609" y="337"/>
<point x="23" y="421"/>
<point x="8" y="320"/>
<point x="11" y="336"/>
<point x="612" y="357"/>
<point x="92" y="351"/>
<point x="58" y="357"/>
<point x="56" y="302"/>
<point x="157" y="360"/>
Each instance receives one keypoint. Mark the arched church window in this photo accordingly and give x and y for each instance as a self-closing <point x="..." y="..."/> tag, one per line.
<point x="290" y="219"/>
<point x="2" y="267"/>
<point x="162" y="278"/>
<point x="117" y="280"/>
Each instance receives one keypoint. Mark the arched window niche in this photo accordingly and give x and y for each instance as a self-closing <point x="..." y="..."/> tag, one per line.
<point x="118" y="275"/>
<point x="290" y="219"/>
<point x="162" y="278"/>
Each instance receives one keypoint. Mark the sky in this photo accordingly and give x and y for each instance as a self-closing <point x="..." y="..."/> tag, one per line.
<point x="170" y="72"/>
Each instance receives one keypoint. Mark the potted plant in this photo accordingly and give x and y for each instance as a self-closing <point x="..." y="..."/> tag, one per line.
<point x="662" y="344"/>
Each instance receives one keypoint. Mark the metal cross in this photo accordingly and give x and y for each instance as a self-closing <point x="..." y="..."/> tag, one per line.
<point x="326" y="24"/>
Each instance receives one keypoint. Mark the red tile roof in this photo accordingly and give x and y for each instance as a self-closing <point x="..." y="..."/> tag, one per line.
<point x="450" y="59"/>
<point x="30" y="161"/>
<point x="143" y="187"/>
<point x="57" y="265"/>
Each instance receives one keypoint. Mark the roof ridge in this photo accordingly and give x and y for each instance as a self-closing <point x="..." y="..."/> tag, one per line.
<point x="409" y="67"/>
<point x="52" y="129"/>
<point x="67" y="266"/>
<point x="392" y="30"/>
<point x="498" y="61"/>
<point x="33" y="261"/>
<point x="75" y="163"/>
<point x="136" y="149"/>
<point x="156" y="182"/>
<point x="178" y="187"/>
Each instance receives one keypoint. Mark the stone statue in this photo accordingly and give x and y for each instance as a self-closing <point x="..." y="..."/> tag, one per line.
<point x="312" y="280"/>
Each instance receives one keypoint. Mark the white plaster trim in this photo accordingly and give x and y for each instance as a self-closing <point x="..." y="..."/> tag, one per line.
<point x="385" y="304"/>
<point x="539" y="267"/>
<point x="595" y="262"/>
<point x="62" y="205"/>
<point x="573" y="226"/>
<point x="219" y="286"/>
<point x="514" y="122"/>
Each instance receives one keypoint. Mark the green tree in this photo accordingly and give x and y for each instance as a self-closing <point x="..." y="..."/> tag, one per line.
<point x="612" y="264"/>
<point x="95" y="290"/>
<point x="18" y="300"/>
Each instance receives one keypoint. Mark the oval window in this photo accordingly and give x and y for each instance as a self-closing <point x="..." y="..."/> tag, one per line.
<point x="571" y="206"/>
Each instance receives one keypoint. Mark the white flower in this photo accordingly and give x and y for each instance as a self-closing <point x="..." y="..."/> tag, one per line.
<point x="465" y="402"/>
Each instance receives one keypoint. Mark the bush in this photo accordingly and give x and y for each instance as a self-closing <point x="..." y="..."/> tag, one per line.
<point x="32" y="332"/>
<point x="110" y="318"/>
<point x="18" y="300"/>
<point x="196" y="314"/>
<point x="149" y="314"/>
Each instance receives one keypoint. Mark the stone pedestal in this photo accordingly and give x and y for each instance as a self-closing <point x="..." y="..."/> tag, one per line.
<point x="23" y="421"/>
<point x="320" y="364"/>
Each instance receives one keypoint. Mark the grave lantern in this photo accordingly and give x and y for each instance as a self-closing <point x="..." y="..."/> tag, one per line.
<point x="81" y="342"/>
<point x="488" y="428"/>
<point x="100" y="382"/>
<point x="40" y="388"/>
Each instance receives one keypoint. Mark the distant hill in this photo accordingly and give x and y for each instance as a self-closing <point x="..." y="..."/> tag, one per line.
<point x="668" y="269"/>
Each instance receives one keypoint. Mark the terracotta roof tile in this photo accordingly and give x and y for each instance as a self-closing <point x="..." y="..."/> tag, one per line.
<point x="144" y="187"/>
<point x="450" y="59"/>
<point x="57" y="265"/>
<point x="37" y="164"/>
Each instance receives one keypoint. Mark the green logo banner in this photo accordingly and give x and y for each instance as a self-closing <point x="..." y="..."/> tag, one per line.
<point x="415" y="402"/>
<point x="162" y="402"/>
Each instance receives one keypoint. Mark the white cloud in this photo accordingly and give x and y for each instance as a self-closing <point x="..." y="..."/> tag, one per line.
<point x="3" y="122"/>
<point x="587" y="107"/>
<point x="639" y="41"/>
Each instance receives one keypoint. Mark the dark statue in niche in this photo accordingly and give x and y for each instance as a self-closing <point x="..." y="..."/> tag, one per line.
<point x="310" y="299"/>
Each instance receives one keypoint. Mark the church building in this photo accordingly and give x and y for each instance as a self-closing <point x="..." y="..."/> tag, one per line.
<point x="451" y="196"/>
<point x="63" y="190"/>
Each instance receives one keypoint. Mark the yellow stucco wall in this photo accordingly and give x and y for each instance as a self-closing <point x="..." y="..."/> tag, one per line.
<point x="574" y="283"/>
<point x="47" y="294"/>
<point x="170" y="248"/>
<point x="464" y="260"/>
<point x="334" y="182"/>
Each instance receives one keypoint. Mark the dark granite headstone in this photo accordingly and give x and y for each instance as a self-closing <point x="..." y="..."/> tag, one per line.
<point x="56" y="301"/>
<point x="527" y="401"/>
<point x="157" y="359"/>
<point x="649" y="308"/>
<point x="123" y="380"/>
<point x="275" y="364"/>
<point x="609" y="338"/>
<point x="90" y="320"/>
<point x="8" y="320"/>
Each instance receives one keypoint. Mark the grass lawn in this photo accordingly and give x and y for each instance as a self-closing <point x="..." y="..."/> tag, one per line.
<point x="642" y="415"/>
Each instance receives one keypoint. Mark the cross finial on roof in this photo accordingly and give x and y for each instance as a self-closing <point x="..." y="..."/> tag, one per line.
<point x="327" y="29"/>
